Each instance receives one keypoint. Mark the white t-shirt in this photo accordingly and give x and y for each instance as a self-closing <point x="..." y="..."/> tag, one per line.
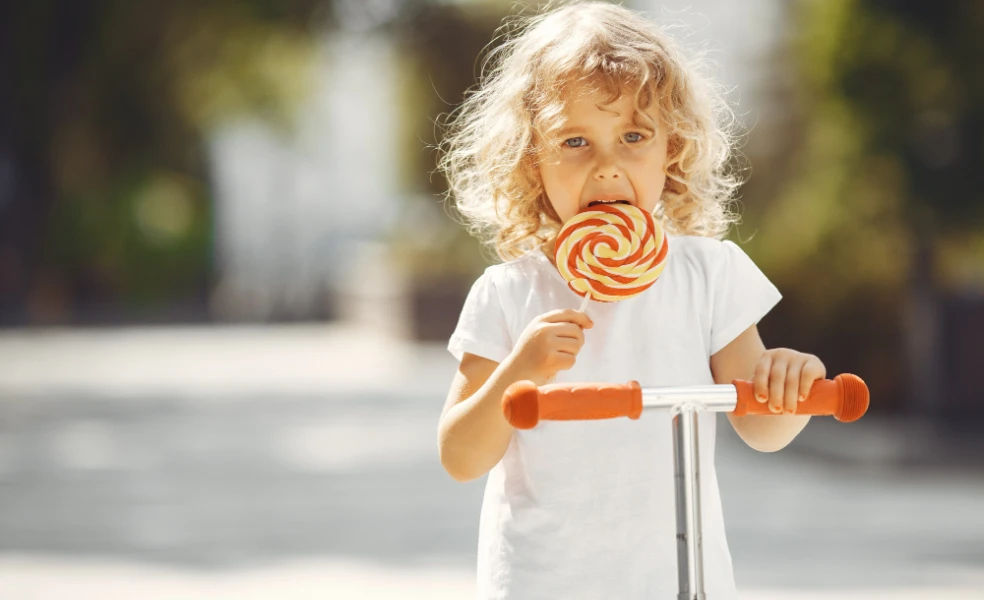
<point x="585" y="509"/>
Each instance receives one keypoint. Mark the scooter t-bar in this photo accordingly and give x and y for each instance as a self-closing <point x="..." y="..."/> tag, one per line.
<point x="525" y="404"/>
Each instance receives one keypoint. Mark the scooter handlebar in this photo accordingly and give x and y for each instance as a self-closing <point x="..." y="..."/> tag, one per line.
<point x="844" y="397"/>
<point x="524" y="404"/>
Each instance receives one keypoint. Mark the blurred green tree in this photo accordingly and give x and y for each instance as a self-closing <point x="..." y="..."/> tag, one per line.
<point x="872" y="210"/>
<point x="104" y="107"/>
<point x="105" y="205"/>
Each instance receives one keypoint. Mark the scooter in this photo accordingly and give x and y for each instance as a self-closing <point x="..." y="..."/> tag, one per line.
<point x="525" y="404"/>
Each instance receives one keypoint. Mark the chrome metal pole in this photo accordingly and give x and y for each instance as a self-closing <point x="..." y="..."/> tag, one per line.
<point x="686" y="470"/>
<point x="686" y="403"/>
<point x="714" y="398"/>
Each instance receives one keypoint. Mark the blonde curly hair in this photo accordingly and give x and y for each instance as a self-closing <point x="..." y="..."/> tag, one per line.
<point x="489" y="153"/>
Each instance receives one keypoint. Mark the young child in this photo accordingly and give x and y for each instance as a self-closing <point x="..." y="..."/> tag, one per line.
<point x="592" y="102"/>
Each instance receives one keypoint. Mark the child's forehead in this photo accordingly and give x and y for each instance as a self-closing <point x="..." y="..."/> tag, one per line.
<point x="598" y="89"/>
<point x="583" y="99"/>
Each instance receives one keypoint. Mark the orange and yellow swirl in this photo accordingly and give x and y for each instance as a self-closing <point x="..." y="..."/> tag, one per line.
<point x="611" y="252"/>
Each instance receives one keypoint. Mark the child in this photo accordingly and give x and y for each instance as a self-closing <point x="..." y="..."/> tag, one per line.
<point x="591" y="102"/>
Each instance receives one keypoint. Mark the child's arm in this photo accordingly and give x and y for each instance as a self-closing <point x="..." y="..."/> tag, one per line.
<point x="781" y="377"/>
<point x="473" y="434"/>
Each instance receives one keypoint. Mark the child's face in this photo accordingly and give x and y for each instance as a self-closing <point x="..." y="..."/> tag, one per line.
<point x="601" y="157"/>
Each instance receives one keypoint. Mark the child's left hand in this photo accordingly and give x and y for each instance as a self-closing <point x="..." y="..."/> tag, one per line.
<point x="783" y="377"/>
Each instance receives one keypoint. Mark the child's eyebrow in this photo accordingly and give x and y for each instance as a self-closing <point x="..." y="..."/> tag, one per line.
<point x="580" y="130"/>
<point x="570" y="130"/>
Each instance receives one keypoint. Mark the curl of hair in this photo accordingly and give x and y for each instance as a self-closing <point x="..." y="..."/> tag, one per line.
<point x="489" y="153"/>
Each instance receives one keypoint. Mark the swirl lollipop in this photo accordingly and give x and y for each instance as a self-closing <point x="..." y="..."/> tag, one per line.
<point x="611" y="252"/>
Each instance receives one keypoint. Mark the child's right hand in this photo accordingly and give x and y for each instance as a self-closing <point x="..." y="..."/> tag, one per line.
<point x="550" y="343"/>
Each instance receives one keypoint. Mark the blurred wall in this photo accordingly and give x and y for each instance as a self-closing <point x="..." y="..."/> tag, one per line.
<point x="295" y="212"/>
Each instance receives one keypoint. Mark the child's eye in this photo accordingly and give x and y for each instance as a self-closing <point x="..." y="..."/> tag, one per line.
<point x="637" y="137"/>
<point x="579" y="141"/>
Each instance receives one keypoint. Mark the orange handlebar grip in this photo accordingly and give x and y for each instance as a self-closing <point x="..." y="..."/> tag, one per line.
<point x="524" y="404"/>
<point x="845" y="397"/>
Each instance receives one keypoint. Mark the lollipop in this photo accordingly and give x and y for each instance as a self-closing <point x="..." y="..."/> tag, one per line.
<point x="611" y="252"/>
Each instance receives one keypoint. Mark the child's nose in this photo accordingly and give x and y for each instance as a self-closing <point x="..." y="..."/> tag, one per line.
<point x="607" y="170"/>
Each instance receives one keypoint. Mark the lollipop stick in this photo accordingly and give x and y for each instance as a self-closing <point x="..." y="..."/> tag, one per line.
<point x="584" y="303"/>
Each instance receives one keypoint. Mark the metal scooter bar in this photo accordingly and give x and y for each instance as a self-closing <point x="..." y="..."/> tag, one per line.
<point x="686" y="479"/>
<point x="715" y="398"/>
<point x="524" y="404"/>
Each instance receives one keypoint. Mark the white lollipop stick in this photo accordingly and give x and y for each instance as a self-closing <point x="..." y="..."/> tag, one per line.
<point x="584" y="303"/>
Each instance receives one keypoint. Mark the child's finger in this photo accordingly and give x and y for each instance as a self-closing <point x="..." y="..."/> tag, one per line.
<point x="760" y="381"/>
<point x="793" y="380"/>
<point x="569" y="315"/>
<point x="565" y="330"/>
<point x="806" y="384"/>
<point x="777" y="384"/>
<point x="812" y="371"/>
<point x="569" y="345"/>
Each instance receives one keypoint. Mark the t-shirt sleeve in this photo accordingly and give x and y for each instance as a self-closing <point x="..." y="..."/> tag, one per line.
<point x="482" y="329"/>
<point x="742" y="295"/>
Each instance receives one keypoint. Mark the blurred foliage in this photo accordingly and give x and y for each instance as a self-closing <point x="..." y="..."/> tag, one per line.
<point x="872" y="185"/>
<point x="106" y="107"/>
<point x="140" y="237"/>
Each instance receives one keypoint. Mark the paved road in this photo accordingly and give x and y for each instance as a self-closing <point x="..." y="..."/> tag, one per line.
<point x="118" y="491"/>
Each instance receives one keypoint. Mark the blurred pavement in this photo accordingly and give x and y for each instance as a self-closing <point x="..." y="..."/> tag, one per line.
<point x="300" y="462"/>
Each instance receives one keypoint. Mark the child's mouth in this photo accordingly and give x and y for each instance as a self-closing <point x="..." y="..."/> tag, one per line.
<point x="597" y="202"/>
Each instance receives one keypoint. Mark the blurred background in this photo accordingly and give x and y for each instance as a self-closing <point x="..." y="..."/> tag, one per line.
<point x="227" y="276"/>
